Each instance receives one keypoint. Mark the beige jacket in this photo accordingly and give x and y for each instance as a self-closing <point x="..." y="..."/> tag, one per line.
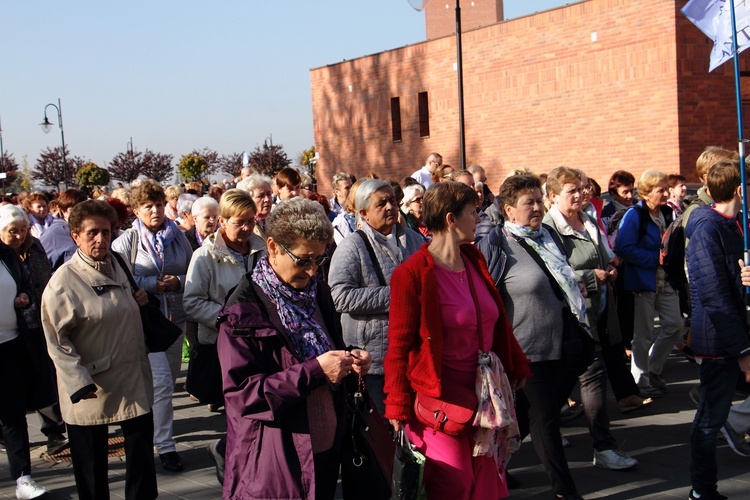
<point x="94" y="336"/>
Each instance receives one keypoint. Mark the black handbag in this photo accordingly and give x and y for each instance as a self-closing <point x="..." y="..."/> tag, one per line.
<point x="158" y="331"/>
<point x="408" y="471"/>
<point x="204" y="375"/>
<point x="368" y="451"/>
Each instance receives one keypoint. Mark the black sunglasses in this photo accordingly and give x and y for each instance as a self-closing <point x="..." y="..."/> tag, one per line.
<point x="306" y="262"/>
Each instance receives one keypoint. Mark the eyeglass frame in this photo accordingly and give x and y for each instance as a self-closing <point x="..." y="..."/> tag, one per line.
<point x="306" y="261"/>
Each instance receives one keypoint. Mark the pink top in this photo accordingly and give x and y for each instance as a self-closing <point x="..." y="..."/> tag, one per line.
<point x="460" y="339"/>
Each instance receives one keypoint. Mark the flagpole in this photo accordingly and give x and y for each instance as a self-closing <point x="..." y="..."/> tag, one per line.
<point x="741" y="147"/>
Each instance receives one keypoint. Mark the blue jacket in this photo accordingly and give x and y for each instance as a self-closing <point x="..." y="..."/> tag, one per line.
<point x="718" y="324"/>
<point x="640" y="253"/>
<point x="58" y="243"/>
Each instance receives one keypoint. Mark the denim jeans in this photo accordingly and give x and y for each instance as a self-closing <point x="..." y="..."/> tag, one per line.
<point x="718" y="380"/>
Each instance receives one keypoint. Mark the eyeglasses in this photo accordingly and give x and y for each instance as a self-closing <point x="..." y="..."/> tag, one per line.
<point x="418" y="199"/>
<point x="242" y="225"/>
<point x="307" y="261"/>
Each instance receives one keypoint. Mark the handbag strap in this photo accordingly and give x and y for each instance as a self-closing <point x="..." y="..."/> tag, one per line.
<point x="373" y="258"/>
<point x="126" y="270"/>
<point x="552" y="281"/>
<point x="476" y="306"/>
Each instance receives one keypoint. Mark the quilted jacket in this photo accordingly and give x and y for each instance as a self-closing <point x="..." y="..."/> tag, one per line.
<point x="358" y="295"/>
<point x="719" y="325"/>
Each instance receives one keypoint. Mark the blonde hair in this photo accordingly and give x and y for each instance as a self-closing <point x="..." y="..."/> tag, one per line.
<point x="559" y="177"/>
<point x="711" y="156"/>
<point x="649" y="180"/>
<point x="173" y="192"/>
<point x="235" y="202"/>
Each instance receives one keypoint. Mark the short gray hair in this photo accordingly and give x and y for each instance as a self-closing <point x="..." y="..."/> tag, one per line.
<point x="366" y="189"/>
<point x="296" y="220"/>
<point x="185" y="203"/>
<point x="253" y="182"/>
<point x="203" y="202"/>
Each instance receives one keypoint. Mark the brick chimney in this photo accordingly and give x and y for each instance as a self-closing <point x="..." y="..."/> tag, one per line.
<point x="440" y="16"/>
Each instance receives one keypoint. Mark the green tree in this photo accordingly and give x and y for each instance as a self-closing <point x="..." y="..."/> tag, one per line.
<point x="306" y="159"/>
<point x="192" y="167"/>
<point x="91" y="174"/>
<point x="24" y="177"/>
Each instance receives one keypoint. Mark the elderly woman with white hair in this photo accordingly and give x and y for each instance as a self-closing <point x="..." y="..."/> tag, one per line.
<point x="25" y="369"/>
<point x="360" y="275"/>
<point x="259" y="187"/>
<point x="411" y="206"/>
<point x="205" y="215"/>
<point x="185" y="220"/>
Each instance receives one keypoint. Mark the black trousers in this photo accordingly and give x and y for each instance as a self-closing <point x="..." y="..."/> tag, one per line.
<point x="13" y="361"/>
<point x="51" y="419"/>
<point x="538" y="412"/>
<point x="88" y="448"/>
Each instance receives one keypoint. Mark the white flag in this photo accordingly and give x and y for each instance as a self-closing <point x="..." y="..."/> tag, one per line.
<point x="714" y="19"/>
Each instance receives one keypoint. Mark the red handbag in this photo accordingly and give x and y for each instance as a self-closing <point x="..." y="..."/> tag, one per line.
<point x="453" y="415"/>
<point x="453" y="412"/>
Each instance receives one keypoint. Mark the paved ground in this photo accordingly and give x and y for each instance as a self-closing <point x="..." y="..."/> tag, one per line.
<point x="657" y="437"/>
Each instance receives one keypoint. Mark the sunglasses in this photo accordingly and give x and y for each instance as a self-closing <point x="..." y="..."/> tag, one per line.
<point x="307" y="261"/>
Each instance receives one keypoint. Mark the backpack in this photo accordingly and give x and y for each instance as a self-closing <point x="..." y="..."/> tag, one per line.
<point x="613" y="224"/>
<point x="672" y="250"/>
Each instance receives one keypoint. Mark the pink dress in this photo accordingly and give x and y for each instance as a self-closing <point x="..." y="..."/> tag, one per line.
<point x="450" y="470"/>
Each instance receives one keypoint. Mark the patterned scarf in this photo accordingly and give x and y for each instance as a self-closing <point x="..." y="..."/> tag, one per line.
<point x="296" y="309"/>
<point x="542" y="243"/>
<point x="103" y="266"/>
<point x="497" y="434"/>
<point x="156" y="241"/>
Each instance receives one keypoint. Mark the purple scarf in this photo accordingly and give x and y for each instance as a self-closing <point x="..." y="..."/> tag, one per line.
<point x="296" y="309"/>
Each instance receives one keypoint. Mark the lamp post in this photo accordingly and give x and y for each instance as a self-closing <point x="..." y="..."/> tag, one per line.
<point x="419" y="5"/>
<point x="46" y="127"/>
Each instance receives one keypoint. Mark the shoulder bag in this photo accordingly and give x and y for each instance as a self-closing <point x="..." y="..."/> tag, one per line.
<point x="368" y="451"/>
<point x="159" y="332"/>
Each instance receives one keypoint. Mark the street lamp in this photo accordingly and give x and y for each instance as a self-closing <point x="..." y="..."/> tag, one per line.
<point x="419" y="5"/>
<point x="46" y="127"/>
<point x="3" y="176"/>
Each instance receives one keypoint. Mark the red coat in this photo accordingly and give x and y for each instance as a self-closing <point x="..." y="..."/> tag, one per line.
<point x="413" y="361"/>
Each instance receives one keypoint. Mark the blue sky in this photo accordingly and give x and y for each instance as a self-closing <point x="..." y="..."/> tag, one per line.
<point x="177" y="75"/>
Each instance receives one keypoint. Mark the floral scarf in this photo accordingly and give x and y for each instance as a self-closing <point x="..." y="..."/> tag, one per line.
<point x="497" y="434"/>
<point x="156" y="241"/>
<point x="543" y="244"/>
<point x="296" y="309"/>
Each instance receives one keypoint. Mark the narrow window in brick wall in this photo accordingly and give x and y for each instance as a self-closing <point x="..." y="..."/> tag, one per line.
<point x="424" y="115"/>
<point x="396" y="119"/>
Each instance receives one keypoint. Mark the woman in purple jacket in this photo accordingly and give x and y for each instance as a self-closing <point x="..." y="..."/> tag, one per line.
<point x="283" y="360"/>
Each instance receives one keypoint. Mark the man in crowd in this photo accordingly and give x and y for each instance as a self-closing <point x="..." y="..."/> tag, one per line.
<point x="424" y="174"/>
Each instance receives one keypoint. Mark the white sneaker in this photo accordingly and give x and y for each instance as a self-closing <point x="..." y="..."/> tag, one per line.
<point x="613" y="459"/>
<point x="27" y="488"/>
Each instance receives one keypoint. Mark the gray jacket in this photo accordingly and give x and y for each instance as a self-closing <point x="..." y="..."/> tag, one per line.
<point x="357" y="294"/>
<point x="176" y="259"/>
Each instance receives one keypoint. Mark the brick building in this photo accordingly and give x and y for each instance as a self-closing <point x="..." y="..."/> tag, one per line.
<point x="599" y="85"/>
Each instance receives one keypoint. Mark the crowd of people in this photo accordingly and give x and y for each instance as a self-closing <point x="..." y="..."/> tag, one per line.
<point x="426" y="291"/>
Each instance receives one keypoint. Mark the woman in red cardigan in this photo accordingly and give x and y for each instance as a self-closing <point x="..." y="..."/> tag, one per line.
<point x="449" y="337"/>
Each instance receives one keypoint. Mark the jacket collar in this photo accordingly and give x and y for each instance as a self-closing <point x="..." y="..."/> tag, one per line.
<point x="565" y="229"/>
<point x="91" y="276"/>
<point x="217" y="246"/>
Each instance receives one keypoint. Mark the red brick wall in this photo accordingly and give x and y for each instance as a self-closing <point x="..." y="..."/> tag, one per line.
<point x="539" y="93"/>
